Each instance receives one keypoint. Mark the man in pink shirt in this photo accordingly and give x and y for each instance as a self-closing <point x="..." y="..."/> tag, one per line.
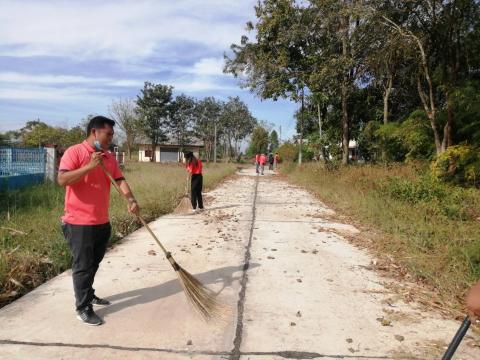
<point x="86" y="224"/>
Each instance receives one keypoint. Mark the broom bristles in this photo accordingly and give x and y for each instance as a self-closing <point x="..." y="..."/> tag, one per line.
<point x="183" y="206"/>
<point x="202" y="298"/>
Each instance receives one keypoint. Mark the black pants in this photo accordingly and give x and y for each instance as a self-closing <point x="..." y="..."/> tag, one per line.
<point x="88" y="244"/>
<point x="196" y="196"/>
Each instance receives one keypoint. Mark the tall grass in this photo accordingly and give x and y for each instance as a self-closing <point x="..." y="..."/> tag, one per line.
<point x="32" y="248"/>
<point x="431" y="228"/>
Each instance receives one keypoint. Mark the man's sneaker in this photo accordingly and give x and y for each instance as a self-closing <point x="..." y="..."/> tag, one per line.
<point x="88" y="316"/>
<point x="101" y="302"/>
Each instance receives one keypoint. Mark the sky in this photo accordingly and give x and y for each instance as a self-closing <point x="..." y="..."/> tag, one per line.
<point x="63" y="60"/>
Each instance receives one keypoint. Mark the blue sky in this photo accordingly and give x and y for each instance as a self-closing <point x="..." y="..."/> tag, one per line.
<point x="63" y="60"/>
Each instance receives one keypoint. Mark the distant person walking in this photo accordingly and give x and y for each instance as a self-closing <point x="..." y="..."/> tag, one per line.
<point x="194" y="167"/>
<point x="276" y="159"/>
<point x="262" y="161"/>
<point x="257" y="163"/>
<point x="270" y="161"/>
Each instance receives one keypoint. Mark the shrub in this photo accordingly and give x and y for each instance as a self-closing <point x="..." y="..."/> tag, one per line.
<point x="428" y="192"/>
<point x="458" y="164"/>
<point x="287" y="152"/>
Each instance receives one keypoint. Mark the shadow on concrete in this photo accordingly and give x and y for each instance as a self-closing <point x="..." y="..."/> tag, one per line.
<point x="135" y="297"/>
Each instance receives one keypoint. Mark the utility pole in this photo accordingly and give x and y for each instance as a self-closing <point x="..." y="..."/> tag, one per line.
<point x="280" y="136"/>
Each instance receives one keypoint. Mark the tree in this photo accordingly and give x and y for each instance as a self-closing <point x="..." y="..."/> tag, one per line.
<point x="237" y="122"/>
<point x="73" y="136"/>
<point x="445" y="36"/>
<point x="259" y="141"/>
<point x="301" y="47"/>
<point x="274" y="64"/>
<point x="126" y="115"/>
<point x="207" y="115"/>
<point x="339" y="56"/>
<point x="181" y="118"/>
<point x="273" y="140"/>
<point x="154" y="104"/>
<point x="385" y="54"/>
<point x="4" y="140"/>
<point x="38" y="133"/>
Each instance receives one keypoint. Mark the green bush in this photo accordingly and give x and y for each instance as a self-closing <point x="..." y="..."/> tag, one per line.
<point x="398" y="141"/>
<point x="417" y="136"/>
<point x="388" y="137"/>
<point x="287" y="152"/>
<point x="458" y="164"/>
<point x="436" y="197"/>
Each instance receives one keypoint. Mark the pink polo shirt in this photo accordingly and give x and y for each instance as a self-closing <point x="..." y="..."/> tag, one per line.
<point x="87" y="201"/>
<point x="262" y="160"/>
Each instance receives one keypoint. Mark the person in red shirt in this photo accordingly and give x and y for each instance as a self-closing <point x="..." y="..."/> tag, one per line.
<point x="257" y="162"/>
<point x="262" y="161"/>
<point x="194" y="167"/>
<point x="85" y="223"/>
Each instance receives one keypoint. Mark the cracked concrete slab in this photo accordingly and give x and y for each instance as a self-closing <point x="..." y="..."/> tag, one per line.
<point x="306" y="292"/>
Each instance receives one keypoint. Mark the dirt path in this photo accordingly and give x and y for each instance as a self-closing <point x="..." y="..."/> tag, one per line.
<point x="297" y="289"/>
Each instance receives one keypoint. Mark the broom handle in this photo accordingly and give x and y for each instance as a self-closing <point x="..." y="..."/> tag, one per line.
<point x="462" y="330"/>
<point x="144" y="223"/>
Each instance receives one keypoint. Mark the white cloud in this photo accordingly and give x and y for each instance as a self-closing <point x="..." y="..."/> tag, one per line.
<point x="120" y="30"/>
<point x="52" y="79"/>
<point x="20" y="86"/>
<point x="209" y="66"/>
<point x="200" y="85"/>
<point x="49" y="93"/>
<point x="152" y="40"/>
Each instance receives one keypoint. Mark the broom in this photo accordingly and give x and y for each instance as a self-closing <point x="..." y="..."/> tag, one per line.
<point x="462" y="330"/>
<point x="184" y="204"/>
<point x="202" y="298"/>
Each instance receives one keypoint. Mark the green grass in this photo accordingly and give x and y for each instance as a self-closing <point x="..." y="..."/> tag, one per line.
<point x="429" y="227"/>
<point x="38" y="250"/>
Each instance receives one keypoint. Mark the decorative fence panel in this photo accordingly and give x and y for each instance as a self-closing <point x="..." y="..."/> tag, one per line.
<point x="20" y="167"/>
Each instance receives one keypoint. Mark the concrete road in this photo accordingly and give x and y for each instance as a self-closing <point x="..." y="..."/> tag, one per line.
<point x="297" y="290"/>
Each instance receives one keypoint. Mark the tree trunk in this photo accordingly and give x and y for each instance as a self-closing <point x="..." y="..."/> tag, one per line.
<point x="301" y="133"/>
<point x="319" y="121"/>
<point x="320" y="131"/>
<point x="229" y="152"/>
<point x="447" y="130"/>
<point x="225" y="149"/>
<point x="428" y="101"/>
<point x="386" y="95"/>
<point x="345" y="135"/>
<point x="436" y="133"/>
<point x="430" y="110"/>
<point x="215" y="143"/>
<point x="344" y="91"/>
<point x="207" y="150"/>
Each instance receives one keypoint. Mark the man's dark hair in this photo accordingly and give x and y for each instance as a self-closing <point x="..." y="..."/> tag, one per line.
<point x="99" y="122"/>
